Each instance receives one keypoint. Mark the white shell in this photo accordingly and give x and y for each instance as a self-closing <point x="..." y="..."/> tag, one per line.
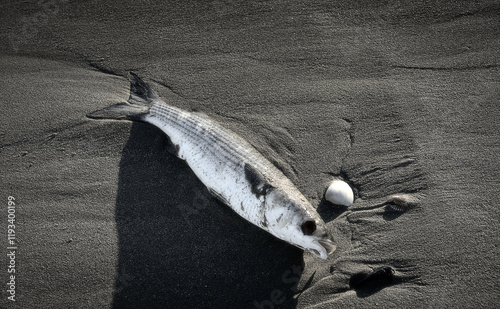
<point x="339" y="193"/>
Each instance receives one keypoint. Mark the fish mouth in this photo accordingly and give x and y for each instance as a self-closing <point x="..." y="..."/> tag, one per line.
<point x="328" y="245"/>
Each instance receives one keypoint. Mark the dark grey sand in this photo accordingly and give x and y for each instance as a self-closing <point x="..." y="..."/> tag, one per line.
<point x="397" y="98"/>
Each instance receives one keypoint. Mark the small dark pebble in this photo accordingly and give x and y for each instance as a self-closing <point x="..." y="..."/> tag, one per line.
<point x="379" y="276"/>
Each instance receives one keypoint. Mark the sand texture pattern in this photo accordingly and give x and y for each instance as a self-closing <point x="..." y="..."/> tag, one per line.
<point x="401" y="99"/>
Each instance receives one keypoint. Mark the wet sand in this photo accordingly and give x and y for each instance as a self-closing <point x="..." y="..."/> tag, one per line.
<point x="397" y="98"/>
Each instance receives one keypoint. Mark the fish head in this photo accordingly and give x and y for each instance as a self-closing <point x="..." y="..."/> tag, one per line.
<point x="294" y="220"/>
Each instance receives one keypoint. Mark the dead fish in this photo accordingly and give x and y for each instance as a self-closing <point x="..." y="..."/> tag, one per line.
<point x="233" y="170"/>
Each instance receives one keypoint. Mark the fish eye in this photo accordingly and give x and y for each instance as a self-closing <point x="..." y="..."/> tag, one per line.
<point x="308" y="227"/>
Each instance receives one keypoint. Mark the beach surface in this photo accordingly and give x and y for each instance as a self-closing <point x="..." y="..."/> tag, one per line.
<point x="400" y="99"/>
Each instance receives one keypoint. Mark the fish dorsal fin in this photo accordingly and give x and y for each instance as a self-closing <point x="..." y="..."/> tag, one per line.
<point x="258" y="183"/>
<point x="140" y="92"/>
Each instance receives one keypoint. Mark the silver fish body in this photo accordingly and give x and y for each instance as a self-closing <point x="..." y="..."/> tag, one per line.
<point x="233" y="170"/>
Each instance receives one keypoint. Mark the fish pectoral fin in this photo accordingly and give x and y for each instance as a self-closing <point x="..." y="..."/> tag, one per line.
<point x="258" y="183"/>
<point x="218" y="196"/>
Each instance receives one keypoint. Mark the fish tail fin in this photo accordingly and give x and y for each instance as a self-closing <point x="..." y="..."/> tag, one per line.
<point x="139" y="103"/>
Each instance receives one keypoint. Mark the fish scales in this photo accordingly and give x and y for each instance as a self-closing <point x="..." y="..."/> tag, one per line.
<point x="192" y="124"/>
<point x="228" y="145"/>
<point x="210" y="152"/>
